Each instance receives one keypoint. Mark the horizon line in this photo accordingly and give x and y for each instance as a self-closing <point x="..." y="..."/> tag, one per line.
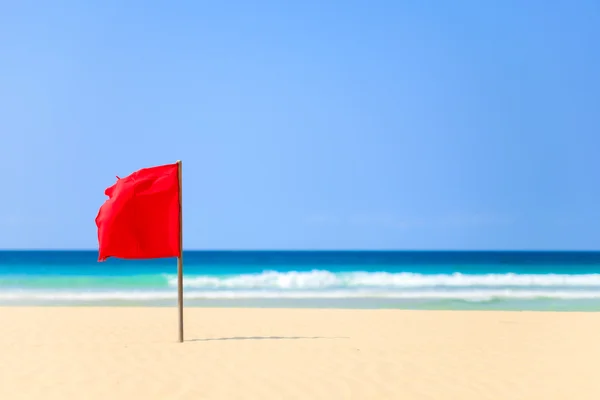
<point x="334" y="250"/>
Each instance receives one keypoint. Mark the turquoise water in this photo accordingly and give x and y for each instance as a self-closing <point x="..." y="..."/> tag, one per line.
<point x="567" y="281"/>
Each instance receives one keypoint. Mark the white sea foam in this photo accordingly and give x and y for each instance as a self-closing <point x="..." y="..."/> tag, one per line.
<point x="145" y="296"/>
<point x="318" y="279"/>
<point x="319" y="284"/>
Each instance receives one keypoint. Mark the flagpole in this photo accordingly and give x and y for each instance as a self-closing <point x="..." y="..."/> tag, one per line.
<point x="180" y="259"/>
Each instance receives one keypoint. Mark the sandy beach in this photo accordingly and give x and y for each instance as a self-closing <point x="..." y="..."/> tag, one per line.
<point x="126" y="353"/>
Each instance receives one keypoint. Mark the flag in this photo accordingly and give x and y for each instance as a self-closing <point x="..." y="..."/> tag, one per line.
<point x="141" y="218"/>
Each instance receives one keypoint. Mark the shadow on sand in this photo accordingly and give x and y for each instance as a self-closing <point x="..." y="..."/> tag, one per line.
<point x="265" y="338"/>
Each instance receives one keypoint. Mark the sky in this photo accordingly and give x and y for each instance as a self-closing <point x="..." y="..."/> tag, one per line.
<point x="410" y="125"/>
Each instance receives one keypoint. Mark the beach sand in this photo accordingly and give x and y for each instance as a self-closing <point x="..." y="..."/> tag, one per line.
<point x="133" y="353"/>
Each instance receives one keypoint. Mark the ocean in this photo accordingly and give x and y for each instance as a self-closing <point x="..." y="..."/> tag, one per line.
<point x="565" y="281"/>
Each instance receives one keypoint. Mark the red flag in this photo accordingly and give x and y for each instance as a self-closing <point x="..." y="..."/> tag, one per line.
<point x="141" y="217"/>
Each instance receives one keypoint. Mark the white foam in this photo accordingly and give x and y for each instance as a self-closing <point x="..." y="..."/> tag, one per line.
<point x="470" y="295"/>
<point x="327" y="280"/>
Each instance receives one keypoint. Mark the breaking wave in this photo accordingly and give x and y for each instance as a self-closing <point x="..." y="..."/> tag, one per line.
<point x="319" y="279"/>
<point x="148" y="296"/>
<point x="317" y="284"/>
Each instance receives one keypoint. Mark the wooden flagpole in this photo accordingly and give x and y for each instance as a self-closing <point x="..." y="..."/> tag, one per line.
<point x="180" y="259"/>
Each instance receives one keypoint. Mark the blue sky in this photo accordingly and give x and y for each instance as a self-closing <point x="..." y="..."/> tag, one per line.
<point x="308" y="125"/>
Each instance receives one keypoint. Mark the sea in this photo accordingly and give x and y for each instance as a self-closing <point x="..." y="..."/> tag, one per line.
<point x="436" y="280"/>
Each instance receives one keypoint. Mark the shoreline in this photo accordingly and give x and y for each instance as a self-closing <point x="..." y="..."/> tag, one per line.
<point x="227" y="308"/>
<point x="316" y="308"/>
<point x="542" y="305"/>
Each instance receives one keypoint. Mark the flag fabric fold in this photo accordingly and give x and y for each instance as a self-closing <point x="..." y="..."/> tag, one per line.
<point x="140" y="219"/>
